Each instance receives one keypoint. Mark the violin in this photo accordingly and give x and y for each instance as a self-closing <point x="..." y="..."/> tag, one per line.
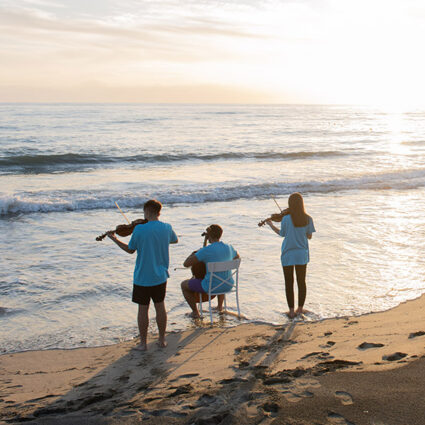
<point x="277" y="217"/>
<point x="123" y="229"/>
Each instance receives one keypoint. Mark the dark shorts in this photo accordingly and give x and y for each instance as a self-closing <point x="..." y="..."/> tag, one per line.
<point x="143" y="294"/>
<point x="195" y="285"/>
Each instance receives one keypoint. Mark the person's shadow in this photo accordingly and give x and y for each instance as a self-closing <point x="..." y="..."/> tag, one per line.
<point x="138" y="381"/>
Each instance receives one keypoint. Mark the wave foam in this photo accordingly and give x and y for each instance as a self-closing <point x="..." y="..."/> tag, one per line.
<point x="56" y="201"/>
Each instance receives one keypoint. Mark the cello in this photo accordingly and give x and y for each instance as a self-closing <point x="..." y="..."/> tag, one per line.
<point x="199" y="270"/>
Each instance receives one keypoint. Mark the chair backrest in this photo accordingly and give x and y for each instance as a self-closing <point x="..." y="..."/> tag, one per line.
<point x="223" y="266"/>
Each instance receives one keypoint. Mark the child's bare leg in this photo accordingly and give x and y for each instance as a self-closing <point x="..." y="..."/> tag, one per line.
<point x="161" y="321"/>
<point x="191" y="298"/>
<point x="143" y="322"/>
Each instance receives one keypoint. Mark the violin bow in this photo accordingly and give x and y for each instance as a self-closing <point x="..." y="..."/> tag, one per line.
<point x="274" y="199"/>
<point x="128" y="221"/>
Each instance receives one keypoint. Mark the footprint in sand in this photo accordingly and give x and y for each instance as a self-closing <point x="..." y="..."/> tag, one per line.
<point x="295" y="395"/>
<point x="128" y="413"/>
<point x="206" y="400"/>
<point x="270" y="407"/>
<point x="251" y="409"/>
<point x="345" y="397"/>
<point x="308" y="383"/>
<point x="307" y="394"/>
<point x="394" y="357"/>
<point x="185" y="376"/>
<point x="415" y="334"/>
<point x="270" y="410"/>
<point x="367" y="345"/>
<point x="313" y="353"/>
<point x="291" y="396"/>
<point x="337" y="419"/>
<point x="182" y="389"/>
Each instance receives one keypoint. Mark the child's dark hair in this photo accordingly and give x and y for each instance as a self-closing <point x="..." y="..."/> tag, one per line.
<point x="215" y="231"/>
<point x="153" y="206"/>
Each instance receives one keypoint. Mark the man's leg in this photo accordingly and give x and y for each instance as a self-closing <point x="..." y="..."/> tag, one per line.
<point x="161" y="321"/>
<point x="191" y="297"/>
<point x="143" y="322"/>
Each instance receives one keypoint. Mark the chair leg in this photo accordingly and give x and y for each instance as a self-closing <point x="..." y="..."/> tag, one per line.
<point x="200" y="304"/>
<point x="209" y="302"/>
<point x="237" y="304"/>
<point x="225" y="303"/>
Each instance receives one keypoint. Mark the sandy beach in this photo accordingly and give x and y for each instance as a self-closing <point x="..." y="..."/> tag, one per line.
<point x="352" y="370"/>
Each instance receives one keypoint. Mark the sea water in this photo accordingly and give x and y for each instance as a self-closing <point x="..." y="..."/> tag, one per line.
<point x="361" y="171"/>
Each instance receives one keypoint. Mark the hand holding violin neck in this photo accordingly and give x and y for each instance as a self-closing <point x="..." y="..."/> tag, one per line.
<point x="277" y="217"/>
<point x="123" y="229"/>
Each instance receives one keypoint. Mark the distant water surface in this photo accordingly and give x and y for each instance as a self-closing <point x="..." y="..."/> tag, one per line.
<point x="62" y="167"/>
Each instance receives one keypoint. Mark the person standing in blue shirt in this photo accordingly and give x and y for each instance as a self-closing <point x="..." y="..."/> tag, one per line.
<point x="216" y="251"/>
<point x="296" y="228"/>
<point x="151" y="241"/>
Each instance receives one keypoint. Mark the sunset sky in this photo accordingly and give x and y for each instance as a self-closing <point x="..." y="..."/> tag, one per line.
<point x="237" y="51"/>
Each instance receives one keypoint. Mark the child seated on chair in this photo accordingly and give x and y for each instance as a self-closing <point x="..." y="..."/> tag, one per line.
<point x="216" y="251"/>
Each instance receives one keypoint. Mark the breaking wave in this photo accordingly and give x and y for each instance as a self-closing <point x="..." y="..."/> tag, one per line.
<point x="68" y="200"/>
<point x="37" y="163"/>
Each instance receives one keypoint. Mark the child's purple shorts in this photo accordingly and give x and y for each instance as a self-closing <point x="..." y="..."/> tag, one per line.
<point x="195" y="285"/>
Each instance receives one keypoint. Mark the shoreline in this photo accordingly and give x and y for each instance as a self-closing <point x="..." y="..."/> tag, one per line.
<point x="206" y="326"/>
<point x="249" y="373"/>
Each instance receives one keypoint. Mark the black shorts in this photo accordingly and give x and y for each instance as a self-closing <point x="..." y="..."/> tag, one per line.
<point x="143" y="294"/>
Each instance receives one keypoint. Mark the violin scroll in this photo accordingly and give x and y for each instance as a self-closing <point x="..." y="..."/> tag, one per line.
<point x="277" y="217"/>
<point x="123" y="229"/>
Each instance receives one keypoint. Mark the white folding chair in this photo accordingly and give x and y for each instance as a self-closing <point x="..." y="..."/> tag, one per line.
<point x="223" y="266"/>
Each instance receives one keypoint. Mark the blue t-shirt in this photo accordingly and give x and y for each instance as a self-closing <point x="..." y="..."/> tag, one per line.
<point x="151" y="240"/>
<point x="217" y="251"/>
<point x="295" y="245"/>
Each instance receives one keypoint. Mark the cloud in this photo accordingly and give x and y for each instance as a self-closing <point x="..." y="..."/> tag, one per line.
<point x="130" y="36"/>
<point x="299" y="46"/>
<point x="131" y="26"/>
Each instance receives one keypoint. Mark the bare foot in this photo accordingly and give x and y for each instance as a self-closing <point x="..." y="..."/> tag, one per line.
<point x="141" y="347"/>
<point x="161" y="343"/>
<point x="194" y="315"/>
<point x="290" y="314"/>
<point x="301" y="310"/>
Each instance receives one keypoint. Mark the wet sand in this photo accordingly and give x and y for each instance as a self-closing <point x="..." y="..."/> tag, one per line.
<point x="353" y="370"/>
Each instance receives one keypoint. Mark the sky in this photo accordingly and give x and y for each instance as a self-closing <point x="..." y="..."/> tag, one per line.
<point x="200" y="51"/>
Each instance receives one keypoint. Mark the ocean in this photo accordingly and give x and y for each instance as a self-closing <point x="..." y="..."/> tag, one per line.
<point x="361" y="171"/>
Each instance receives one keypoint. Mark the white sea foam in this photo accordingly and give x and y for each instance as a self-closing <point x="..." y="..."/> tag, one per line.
<point x="62" y="201"/>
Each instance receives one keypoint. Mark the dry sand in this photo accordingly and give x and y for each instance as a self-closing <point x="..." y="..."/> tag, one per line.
<point x="353" y="370"/>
